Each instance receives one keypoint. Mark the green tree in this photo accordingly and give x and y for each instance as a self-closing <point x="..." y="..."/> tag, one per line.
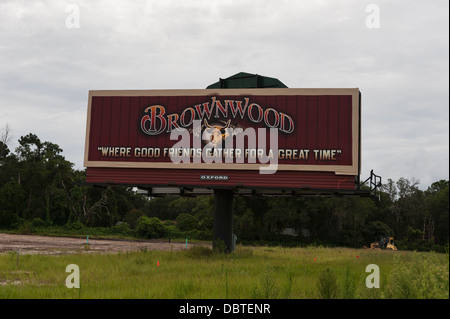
<point x="437" y="220"/>
<point x="11" y="204"/>
<point x="374" y="230"/>
<point x="186" y="222"/>
<point x="133" y="216"/>
<point x="160" y="207"/>
<point x="244" y="225"/>
<point x="407" y="206"/>
<point x="42" y="171"/>
<point x="203" y="211"/>
<point x="281" y="213"/>
<point x="4" y="151"/>
<point x="150" y="227"/>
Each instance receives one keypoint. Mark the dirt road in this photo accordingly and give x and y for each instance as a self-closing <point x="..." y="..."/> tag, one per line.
<point x="34" y="244"/>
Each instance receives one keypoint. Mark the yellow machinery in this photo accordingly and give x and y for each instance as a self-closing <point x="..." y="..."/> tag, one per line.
<point x="384" y="243"/>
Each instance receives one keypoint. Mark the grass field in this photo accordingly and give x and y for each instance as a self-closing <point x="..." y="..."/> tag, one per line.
<point x="250" y="272"/>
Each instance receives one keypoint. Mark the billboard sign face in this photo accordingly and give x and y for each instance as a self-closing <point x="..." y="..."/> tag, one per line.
<point x="216" y="136"/>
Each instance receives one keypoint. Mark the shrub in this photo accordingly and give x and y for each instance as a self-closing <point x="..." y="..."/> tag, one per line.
<point x="206" y="224"/>
<point x="150" y="227"/>
<point x="204" y="235"/>
<point x="348" y="285"/>
<point x="173" y="232"/>
<point x="169" y="223"/>
<point x="328" y="286"/>
<point x="186" y="222"/>
<point x="8" y="219"/>
<point x="376" y="229"/>
<point x="132" y="217"/>
<point x="76" y="225"/>
<point x="123" y="229"/>
<point x="26" y="227"/>
<point x="192" y="234"/>
<point x="38" y="223"/>
<point x="421" y="277"/>
<point x="267" y="288"/>
<point x="219" y="246"/>
<point x="11" y="203"/>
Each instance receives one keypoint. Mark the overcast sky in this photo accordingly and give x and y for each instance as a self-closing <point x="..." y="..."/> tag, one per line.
<point x="396" y="52"/>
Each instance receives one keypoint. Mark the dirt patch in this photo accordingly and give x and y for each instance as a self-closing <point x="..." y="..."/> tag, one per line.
<point x="34" y="244"/>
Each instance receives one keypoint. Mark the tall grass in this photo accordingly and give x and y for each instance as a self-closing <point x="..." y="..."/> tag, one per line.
<point x="421" y="276"/>
<point x="262" y="272"/>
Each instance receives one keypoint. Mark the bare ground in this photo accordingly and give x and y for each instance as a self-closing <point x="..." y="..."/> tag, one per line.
<point x="35" y="244"/>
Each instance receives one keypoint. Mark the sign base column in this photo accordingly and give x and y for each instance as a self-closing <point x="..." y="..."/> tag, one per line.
<point x="223" y="220"/>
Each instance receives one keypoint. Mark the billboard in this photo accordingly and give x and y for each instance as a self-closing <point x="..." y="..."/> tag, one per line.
<point x="277" y="138"/>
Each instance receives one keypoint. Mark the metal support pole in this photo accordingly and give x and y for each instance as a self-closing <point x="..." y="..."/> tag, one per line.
<point x="223" y="219"/>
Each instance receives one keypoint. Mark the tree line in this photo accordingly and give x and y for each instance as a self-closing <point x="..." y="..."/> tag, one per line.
<point x="38" y="185"/>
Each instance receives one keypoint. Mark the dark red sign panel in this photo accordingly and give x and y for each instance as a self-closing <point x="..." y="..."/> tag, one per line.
<point x="226" y="137"/>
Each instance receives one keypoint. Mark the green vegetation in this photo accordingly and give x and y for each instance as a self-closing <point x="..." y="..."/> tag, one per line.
<point x="41" y="193"/>
<point x="251" y="272"/>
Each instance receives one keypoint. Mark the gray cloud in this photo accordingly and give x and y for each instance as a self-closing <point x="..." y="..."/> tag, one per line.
<point x="401" y="67"/>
